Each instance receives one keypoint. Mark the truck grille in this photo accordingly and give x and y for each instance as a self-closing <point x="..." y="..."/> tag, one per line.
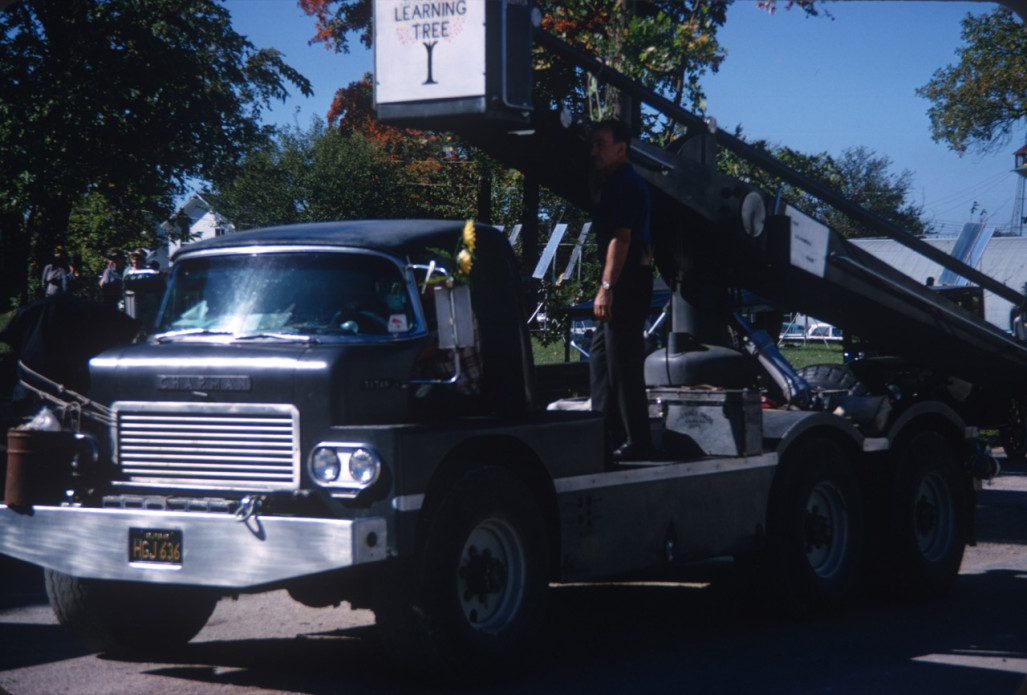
<point x="208" y="445"/>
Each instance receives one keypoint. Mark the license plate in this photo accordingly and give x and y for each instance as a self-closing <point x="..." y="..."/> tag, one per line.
<point x="159" y="546"/>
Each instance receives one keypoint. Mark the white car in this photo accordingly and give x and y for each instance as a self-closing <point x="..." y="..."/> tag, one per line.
<point x="824" y="331"/>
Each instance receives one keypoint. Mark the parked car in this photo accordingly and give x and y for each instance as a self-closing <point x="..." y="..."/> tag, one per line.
<point x="824" y="331"/>
<point x="791" y="332"/>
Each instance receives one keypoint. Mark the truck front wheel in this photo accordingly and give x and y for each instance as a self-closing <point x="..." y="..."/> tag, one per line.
<point x="476" y="595"/>
<point x="125" y="617"/>
<point x="816" y="526"/>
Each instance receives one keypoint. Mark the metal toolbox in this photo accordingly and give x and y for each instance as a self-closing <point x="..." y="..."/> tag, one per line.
<point x="710" y="422"/>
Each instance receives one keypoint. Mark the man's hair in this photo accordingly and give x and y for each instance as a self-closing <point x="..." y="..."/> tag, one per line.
<point x="619" y="130"/>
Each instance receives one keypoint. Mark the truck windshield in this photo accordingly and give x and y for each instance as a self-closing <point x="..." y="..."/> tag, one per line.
<point x="278" y="295"/>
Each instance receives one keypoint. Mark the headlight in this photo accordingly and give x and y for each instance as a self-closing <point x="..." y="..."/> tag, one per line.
<point x="364" y="466"/>
<point x="325" y="465"/>
<point x="345" y="468"/>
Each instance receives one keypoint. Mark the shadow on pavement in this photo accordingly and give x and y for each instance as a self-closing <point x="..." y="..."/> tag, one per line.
<point x="600" y="638"/>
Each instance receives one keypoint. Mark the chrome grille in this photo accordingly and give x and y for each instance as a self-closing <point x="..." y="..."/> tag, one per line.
<point x="208" y="445"/>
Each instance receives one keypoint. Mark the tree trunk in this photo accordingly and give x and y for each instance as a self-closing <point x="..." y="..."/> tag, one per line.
<point x="484" y="193"/>
<point x="14" y="252"/>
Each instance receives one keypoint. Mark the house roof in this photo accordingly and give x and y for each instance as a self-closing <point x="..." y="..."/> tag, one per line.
<point x="1004" y="258"/>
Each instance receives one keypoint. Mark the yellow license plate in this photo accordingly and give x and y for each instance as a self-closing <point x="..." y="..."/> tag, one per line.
<point x="160" y="546"/>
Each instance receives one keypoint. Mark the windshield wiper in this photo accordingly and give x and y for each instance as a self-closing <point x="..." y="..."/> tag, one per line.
<point x="291" y="337"/>
<point x="171" y="335"/>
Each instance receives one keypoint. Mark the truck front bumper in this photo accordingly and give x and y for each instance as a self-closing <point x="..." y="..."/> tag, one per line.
<point x="192" y="548"/>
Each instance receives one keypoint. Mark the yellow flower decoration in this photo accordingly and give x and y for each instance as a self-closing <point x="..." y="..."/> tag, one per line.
<point x="469" y="235"/>
<point x="460" y="260"/>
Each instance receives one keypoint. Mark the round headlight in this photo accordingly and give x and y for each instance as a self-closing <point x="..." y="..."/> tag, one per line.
<point x="325" y="466"/>
<point x="364" y="466"/>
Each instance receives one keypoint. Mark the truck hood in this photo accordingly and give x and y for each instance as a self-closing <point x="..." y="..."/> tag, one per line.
<point x="373" y="377"/>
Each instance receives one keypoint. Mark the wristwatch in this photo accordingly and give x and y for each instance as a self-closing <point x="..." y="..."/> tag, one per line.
<point x="605" y="285"/>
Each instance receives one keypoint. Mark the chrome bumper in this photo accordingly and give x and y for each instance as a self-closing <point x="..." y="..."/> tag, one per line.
<point x="218" y="550"/>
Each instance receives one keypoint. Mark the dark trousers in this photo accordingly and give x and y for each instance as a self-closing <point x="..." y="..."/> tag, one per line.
<point x="617" y="365"/>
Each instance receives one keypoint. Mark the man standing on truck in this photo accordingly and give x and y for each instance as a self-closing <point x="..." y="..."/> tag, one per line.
<point x="621" y="220"/>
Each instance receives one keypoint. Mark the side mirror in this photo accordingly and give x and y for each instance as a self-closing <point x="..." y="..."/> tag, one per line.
<point x="456" y="325"/>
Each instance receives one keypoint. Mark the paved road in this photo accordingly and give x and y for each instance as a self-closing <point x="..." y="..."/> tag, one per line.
<point x="683" y="637"/>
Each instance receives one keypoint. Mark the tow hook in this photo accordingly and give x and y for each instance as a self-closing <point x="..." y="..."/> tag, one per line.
<point x="249" y="507"/>
<point x="247" y="513"/>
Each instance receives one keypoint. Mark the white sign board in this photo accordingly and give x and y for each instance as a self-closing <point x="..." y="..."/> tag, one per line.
<point x="808" y="243"/>
<point x="428" y="49"/>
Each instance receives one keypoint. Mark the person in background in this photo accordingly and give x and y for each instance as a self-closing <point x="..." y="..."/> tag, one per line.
<point x="137" y="262"/>
<point x="111" y="285"/>
<point x="56" y="274"/>
<point x="73" y="279"/>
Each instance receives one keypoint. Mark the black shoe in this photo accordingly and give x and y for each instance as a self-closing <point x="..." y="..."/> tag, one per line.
<point x="630" y="452"/>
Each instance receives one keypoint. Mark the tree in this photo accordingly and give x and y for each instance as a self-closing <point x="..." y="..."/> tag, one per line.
<point x="438" y="164"/>
<point x="978" y="103"/>
<point x="343" y="172"/>
<point x="122" y="101"/>
<point x="858" y="173"/>
<point x="312" y="176"/>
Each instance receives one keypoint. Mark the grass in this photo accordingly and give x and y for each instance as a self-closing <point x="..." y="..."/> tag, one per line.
<point x="813" y="353"/>
<point x="548" y="354"/>
<point x="799" y="356"/>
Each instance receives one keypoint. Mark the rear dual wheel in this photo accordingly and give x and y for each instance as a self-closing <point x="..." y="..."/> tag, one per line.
<point x="815" y="526"/>
<point x="926" y="533"/>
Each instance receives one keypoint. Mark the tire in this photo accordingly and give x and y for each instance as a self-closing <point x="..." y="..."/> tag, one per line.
<point x="927" y="526"/>
<point x="1014" y="432"/>
<point x="832" y="377"/>
<point x="470" y="605"/>
<point x="128" y="618"/>
<point x="815" y="528"/>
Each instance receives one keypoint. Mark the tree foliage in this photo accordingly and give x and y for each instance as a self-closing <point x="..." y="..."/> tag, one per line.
<point x="858" y="173"/>
<point x="667" y="46"/>
<point x="345" y="172"/>
<point x="978" y="102"/>
<point x="119" y="101"/>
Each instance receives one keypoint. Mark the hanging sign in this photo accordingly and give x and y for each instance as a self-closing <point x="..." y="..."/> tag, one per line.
<point x="425" y="50"/>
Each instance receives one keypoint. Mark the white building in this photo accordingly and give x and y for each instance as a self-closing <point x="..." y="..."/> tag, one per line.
<point x="198" y="219"/>
<point x="1003" y="258"/>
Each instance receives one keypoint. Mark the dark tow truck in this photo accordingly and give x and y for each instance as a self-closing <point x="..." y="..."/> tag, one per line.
<point x="287" y="425"/>
<point x="278" y="429"/>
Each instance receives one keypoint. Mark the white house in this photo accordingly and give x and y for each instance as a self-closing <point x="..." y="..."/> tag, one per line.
<point x="202" y="221"/>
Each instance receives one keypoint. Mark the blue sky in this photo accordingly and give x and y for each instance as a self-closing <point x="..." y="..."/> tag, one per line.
<point x="813" y="84"/>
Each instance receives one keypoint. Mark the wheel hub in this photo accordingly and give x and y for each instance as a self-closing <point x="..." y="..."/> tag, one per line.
<point x="926" y="515"/>
<point x="491" y="575"/>
<point x="483" y="576"/>
<point x="825" y="530"/>
<point x="818" y="530"/>
<point x="933" y="518"/>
